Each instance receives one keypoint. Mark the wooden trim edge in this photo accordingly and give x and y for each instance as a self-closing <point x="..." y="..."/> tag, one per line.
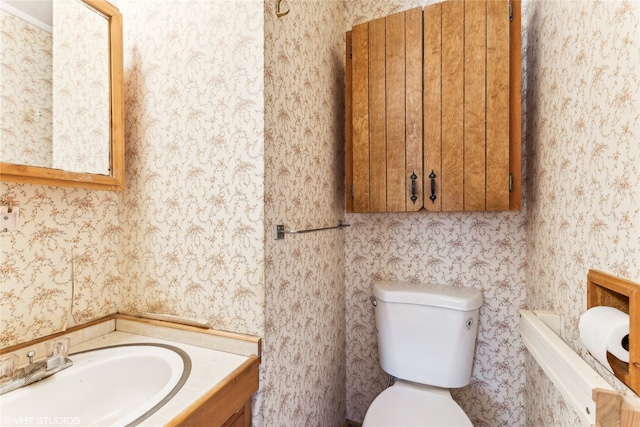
<point x="58" y="334"/>
<point x="168" y="324"/>
<point x="614" y="410"/>
<point x="348" y="126"/>
<point x="515" y="106"/>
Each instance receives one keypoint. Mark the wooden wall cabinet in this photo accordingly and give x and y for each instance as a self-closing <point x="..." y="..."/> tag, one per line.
<point x="433" y="109"/>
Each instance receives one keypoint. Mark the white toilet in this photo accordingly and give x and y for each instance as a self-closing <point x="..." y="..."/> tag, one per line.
<point x="426" y="338"/>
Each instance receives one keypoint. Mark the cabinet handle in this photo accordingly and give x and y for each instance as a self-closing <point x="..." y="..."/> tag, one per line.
<point x="433" y="196"/>
<point x="414" y="197"/>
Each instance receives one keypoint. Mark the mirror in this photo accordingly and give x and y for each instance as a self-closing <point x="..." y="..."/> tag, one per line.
<point x="70" y="129"/>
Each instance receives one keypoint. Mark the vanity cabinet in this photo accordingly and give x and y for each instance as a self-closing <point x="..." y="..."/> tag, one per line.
<point x="241" y="418"/>
<point x="433" y="109"/>
<point x="228" y="404"/>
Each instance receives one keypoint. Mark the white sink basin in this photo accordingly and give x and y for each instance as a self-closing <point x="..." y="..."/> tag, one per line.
<point x="111" y="386"/>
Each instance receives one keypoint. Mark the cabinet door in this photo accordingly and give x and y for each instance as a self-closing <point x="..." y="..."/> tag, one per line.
<point x="497" y="123"/>
<point x="467" y="157"/>
<point x="432" y="107"/>
<point x="476" y="115"/>
<point x="452" y="177"/>
<point x="384" y="114"/>
<point x="241" y="418"/>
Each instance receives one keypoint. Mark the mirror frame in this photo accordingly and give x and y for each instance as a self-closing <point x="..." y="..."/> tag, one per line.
<point x="56" y="177"/>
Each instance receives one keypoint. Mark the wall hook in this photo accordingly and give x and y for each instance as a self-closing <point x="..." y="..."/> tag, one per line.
<point x="280" y="13"/>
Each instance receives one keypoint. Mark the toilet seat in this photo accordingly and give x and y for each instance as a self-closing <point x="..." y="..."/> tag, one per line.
<point x="409" y="404"/>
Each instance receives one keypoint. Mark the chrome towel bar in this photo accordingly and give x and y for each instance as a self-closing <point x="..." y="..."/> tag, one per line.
<point x="280" y="230"/>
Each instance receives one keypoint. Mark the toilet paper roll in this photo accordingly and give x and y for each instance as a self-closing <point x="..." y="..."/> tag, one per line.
<point x="604" y="329"/>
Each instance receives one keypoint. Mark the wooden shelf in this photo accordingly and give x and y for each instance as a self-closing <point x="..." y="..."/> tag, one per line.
<point x="606" y="290"/>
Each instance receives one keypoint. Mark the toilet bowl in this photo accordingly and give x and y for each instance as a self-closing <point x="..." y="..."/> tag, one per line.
<point x="407" y="404"/>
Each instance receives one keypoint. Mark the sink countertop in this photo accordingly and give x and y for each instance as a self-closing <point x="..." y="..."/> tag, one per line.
<point x="215" y="355"/>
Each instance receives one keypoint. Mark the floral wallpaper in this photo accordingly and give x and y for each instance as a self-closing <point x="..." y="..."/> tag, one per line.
<point x="81" y="129"/>
<point x="583" y="190"/>
<point x="480" y="250"/>
<point x="303" y="369"/>
<point x="67" y="244"/>
<point x="234" y="123"/>
<point x="193" y="208"/>
<point x="25" y="84"/>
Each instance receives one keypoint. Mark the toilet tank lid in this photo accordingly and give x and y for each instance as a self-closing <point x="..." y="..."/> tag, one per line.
<point x="447" y="296"/>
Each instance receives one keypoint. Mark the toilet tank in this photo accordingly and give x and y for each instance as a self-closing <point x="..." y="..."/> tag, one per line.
<point x="427" y="333"/>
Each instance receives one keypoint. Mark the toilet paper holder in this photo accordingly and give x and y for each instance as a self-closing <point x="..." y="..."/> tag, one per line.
<point x="604" y="289"/>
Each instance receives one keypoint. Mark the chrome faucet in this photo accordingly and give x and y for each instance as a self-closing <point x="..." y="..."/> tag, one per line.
<point x="34" y="371"/>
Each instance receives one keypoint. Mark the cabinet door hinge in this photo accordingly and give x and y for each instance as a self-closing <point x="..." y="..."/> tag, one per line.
<point x="351" y="50"/>
<point x="510" y="11"/>
<point x="353" y="196"/>
<point x="510" y="183"/>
